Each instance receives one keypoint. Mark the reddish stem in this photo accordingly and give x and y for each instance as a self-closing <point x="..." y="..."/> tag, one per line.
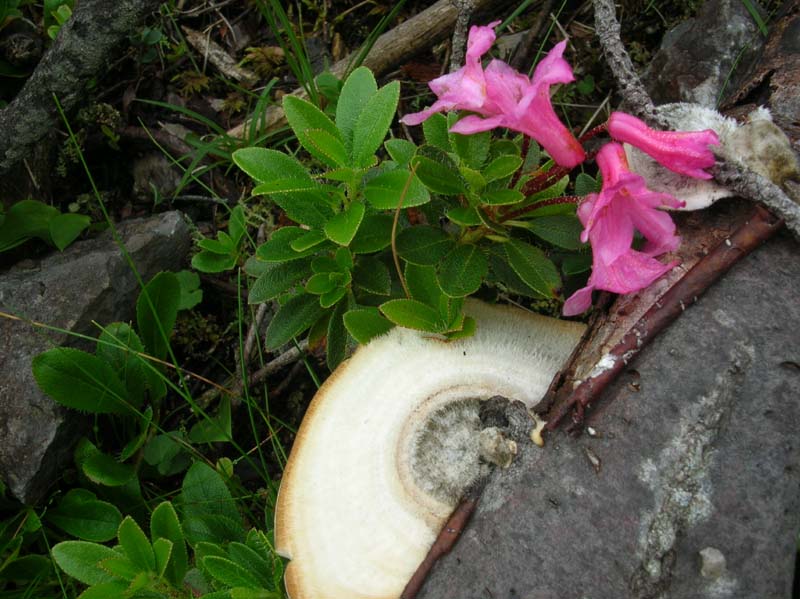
<point x="593" y="133"/>
<point x="542" y="204"/>
<point x="447" y="538"/>
<point x="761" y="226"/>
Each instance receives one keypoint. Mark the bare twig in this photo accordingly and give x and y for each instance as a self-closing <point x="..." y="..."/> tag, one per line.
<point x="409" y="37"/>
<point x="751" y="185"/>
<point x="630" y="86"/>
<point x="459" y="43"/>
<point x="447" y="538"/>
<point x="761" y="226"/>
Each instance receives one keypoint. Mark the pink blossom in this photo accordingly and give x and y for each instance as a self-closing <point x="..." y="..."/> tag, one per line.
<point x="504" y="97"/>
<point x="609" y="219"/>
<point x="685" y="152"/>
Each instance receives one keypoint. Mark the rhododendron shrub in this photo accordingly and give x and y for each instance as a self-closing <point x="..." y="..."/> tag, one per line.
<point x="499" y="96"/>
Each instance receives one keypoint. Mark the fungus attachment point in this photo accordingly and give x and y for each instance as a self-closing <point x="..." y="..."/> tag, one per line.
<point x="391" y="441"/>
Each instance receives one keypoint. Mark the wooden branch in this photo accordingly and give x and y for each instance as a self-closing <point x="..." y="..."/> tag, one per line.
<point x="80" y="52"/>
<point x="633" y="92"/>
<point x="761" y="226"/>
<point x="446" y="540"/>
<point x="410" y="37"/>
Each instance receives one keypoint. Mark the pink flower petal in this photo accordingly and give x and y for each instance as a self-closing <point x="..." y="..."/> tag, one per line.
<point x="578" y="302"/>
<point x="685" y="152"/>
<point x="475" y="124"/>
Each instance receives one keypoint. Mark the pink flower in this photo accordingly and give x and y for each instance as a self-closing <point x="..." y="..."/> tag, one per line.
<point x="504" y="97"/>
<point x="685" y="152"/>
<point x="609" y="219"/>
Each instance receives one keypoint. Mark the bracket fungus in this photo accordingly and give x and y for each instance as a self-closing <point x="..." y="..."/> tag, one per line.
<point x="390" y="442"/>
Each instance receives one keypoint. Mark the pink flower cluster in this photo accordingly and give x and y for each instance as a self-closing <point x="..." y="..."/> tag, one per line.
<point x="505" y="98"/>
<point x="501" y="97"/>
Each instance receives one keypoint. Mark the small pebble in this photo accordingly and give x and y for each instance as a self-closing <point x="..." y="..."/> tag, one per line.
<point x="712" y="563"/>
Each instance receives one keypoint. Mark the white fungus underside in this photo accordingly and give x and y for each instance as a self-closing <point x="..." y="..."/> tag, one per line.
<point x="352" y="525"/>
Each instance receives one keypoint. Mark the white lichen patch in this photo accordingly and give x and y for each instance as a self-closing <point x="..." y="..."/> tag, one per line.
<point x="679" y="477"/>
<point x="757" y="144"/>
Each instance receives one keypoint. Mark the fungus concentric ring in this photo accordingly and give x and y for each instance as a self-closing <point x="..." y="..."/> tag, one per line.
<point x="357" y="508"/>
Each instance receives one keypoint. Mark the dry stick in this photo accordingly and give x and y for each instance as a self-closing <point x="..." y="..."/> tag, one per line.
<point x="737" y="178"/>
<point x="411" y="36"/>
<point x="447" y="538"/>
<point x="761" y="226"/>
<point x="631" y="87"/>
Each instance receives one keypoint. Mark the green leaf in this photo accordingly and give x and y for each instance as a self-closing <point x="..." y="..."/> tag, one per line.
<point x="228" y="572"/>
<point x="210" y="262"/>
<point x="65" y="228"/>
<point x="80" y="514"/>
<point x="216" y="429"/>
<point x="336" y="346"/>
<point x="223" y="245"/>
<point x="502" y="167"/>
<point x="286" y="185"/>
<point x="372" y="275"/>
<point x="385" y="190"/>
<point x="237" y="224"/>
<point x="164" y="524"/>
<point x="586" y="184"/>
<point x="137" y="547"/>
<point x="365" y="323"/>
<point x="356" y="92"/>
<point x="279" y="246"/>
<point x="533" y="267"/>
<point x="292" y="318"/>
<point x="81" y="560"/>
<point x="156" y="312"/>
<point x="472" y="149"/>
<point x="423" y="284"/>
<point x="502" y="197"/>
<point x="204" y="493"/>
<point x="342" y="227"/>
<point x="277" y="279"/>
<point x="168" y="453"/>
<point x="462" y="271"/>
<point x="373" y="124"/>
<point x="468" y="328"/>
<point x="254" y="563"/>
<point x="119" y="346"/>
<point x="266" y="165"/>
<point x="102" y="469"/>
<point x="438" y="171"/>
<point x="80" y="381"/>
<point x="24" y="220"/>
<point x="412" y="315"/>
<point x="191" y="294"/>
<point x="577" y="263"/>
<point x="308" y="240"/>
<point x="113" y="588"/>
<point x="562" y="230"/>
<point x="329" y="145"/>
<point x="374" y="234"/>
<point x="423" y="244"/>
<point x="320" y="283"/>
<point x="137" y="441"/>
<point x="304" y="117"/>
<point x="555" y="190"/>
<point x="435" y="130"/>
<point x="326" y="300"/>
<point x="400" y="150"/>
<point x="307" y="208"/>
<point x="466" y="216"/>
<point x="162" y="550"/>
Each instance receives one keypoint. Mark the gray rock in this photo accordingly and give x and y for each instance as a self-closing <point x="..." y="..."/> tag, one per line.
<point x="701" y="451"/>
<point x="89" y="281"/>
<point x="698" y="58"/>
